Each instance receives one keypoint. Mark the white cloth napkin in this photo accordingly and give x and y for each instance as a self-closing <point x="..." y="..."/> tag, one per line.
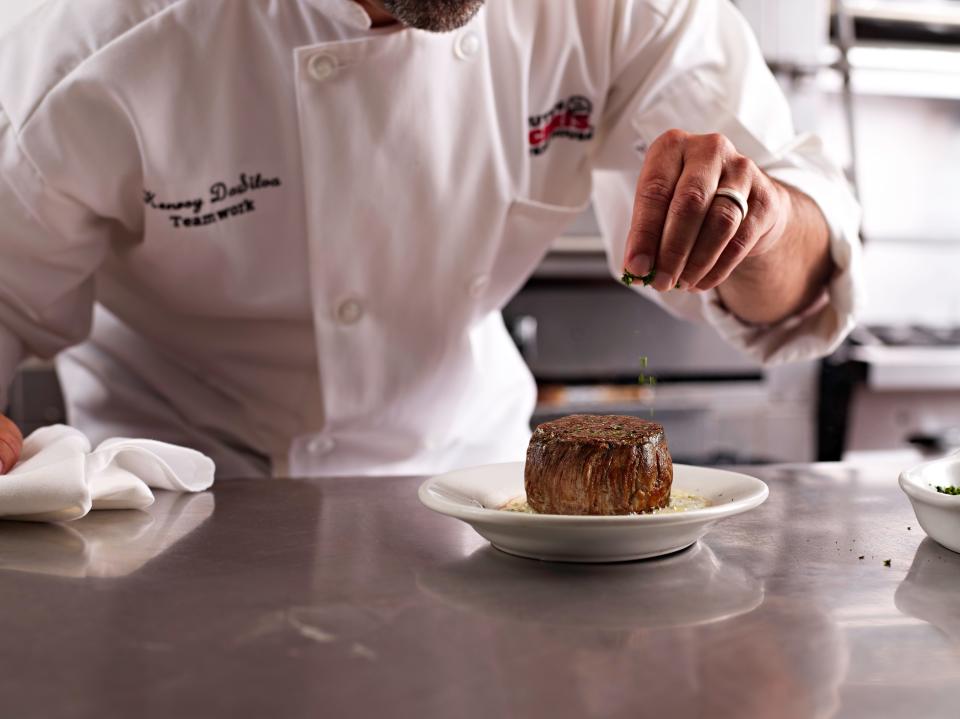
<point x="60" y="478"/>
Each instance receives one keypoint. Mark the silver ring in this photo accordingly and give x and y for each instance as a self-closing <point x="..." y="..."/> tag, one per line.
<point x="737" y="198"/>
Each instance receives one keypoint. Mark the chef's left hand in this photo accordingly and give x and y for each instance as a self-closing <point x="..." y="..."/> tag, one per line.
<point x="11" y="444"/>
<point x="692" y="238"/>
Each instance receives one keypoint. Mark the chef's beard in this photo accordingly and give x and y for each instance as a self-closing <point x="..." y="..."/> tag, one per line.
<point x="433" y="15"/>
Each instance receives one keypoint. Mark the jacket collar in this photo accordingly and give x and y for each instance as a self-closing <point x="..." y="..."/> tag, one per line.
<point x="346" y="12"/>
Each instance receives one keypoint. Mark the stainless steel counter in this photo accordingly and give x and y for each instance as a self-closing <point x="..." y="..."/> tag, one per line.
<point x="346" y="598"/>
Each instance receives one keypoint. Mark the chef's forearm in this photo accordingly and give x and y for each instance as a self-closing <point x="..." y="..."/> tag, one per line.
<point x="786" y="280"/>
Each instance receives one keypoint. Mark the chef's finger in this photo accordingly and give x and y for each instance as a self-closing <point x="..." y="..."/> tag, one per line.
<point x="658" y="178"/>
<point x="723" y="220"/>
<point x="10" y="446"/>
<point x="756" y="224"/>
<point x="11" y="443"/>
<point x="703" y="165"/>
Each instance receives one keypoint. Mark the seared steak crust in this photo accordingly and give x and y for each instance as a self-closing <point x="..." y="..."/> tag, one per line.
<point x="598" y="464"/>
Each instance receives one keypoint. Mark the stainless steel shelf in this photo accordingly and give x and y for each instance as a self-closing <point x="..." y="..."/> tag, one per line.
<point x="929" y="12"/>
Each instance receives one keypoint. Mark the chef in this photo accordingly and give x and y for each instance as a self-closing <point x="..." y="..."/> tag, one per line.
<point x="282" y="232"/>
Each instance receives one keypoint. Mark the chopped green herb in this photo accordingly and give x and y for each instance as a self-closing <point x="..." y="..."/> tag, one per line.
<point x="629" y="278"/>
<point x="643" y="361"/>
<point x="886" y="562"/>
<point x="860" y="557"/>
<point x="949" y="490"/>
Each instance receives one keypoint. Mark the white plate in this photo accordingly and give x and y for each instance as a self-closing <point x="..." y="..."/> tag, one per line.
<point x="938" y="514"/>
<point x="473" y="496"/>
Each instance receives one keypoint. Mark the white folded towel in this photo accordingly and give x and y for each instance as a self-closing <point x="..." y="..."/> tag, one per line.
<point x="59" y="477"/>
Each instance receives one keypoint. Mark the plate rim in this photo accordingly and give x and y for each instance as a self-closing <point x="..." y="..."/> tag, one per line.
<point x="486" y="515"/>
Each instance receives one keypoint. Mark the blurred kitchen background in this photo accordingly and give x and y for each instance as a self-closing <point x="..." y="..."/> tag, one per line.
<point x="879" y="80"/>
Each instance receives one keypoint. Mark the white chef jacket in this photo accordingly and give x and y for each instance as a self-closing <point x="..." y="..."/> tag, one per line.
<point x="298" y="231"/>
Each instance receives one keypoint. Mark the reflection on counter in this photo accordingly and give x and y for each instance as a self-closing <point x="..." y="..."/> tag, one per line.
<point x="711" y="617"/>
<point x="687" y="588"/>
<point x="103" y="544"/>
<point x="931" y="589"/>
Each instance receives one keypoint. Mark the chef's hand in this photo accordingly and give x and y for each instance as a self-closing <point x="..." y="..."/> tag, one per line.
<point x="11" y="443"/>
<point x="692" y="238"/>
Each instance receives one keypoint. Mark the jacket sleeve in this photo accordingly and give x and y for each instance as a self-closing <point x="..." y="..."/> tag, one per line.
<point x="695" y="65"/>
<point x="50" y="248"/>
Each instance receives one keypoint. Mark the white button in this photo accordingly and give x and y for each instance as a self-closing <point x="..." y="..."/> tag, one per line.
<point x="467" y="45"/>
<point x="349" y="312"/>
<point x="479" y="285"/>
<point x="321" y="445"/>
<point x="322" y="66"/>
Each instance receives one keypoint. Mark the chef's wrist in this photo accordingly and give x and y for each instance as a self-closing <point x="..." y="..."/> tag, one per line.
<point x="782" y="282"/>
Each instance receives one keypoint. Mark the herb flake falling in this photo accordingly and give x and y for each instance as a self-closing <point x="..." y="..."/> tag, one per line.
<point x="644" y="380"/>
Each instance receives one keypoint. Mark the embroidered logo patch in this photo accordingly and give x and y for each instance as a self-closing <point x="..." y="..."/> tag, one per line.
<point x="568" y="118"/>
